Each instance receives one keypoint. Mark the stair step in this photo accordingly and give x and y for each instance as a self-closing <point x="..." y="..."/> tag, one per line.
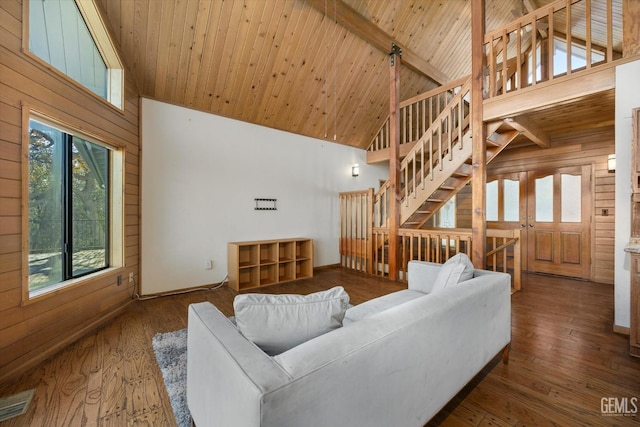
<point x="435" y="200"/>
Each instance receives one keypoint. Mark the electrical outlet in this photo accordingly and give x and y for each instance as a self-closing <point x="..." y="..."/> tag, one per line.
<point x="208" y="264"/>
<point x="131" y="277"/>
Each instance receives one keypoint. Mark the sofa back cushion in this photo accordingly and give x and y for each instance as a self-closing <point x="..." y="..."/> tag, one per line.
<point x="276" y="323"/>
<point x="457" y="269"/>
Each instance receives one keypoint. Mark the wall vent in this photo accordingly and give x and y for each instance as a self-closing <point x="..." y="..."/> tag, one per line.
<point x="15" y="405"/>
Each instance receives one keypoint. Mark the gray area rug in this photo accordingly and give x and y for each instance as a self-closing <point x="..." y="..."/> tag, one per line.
<point x="171" y="352"/>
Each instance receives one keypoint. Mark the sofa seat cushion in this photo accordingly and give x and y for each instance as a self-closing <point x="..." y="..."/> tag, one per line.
<point x="379" y="304"/>
<point x="276" y="323"/>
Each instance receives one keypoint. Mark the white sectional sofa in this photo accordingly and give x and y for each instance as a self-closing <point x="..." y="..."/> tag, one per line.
<point x="396" y="361"/>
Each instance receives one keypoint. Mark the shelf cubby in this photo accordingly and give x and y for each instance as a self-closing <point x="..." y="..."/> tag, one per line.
<point x="267" y="262"/>
<point x="304" y="269"/>
<point x="286" y="271"/>
<point x="268" y="274"/>
<point x="247" y="256"/>
<point x="268" y="253"/>
<point x="248" y="277"/>
<point x="286" y="251"/>
<point x="304" y="249"/>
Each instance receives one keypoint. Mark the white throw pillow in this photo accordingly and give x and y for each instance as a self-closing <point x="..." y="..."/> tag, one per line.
<point x="276" y="323"/>
<point x="457" y="269"/>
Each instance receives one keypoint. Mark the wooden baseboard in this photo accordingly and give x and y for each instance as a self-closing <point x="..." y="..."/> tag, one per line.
<point x="324" y="267"/>
<point x="20" y="366"/>
<point x="621" y="330"/>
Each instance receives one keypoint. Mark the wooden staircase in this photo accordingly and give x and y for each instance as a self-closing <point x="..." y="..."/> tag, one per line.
<point x="420" y="205"/>
<point x="438" y="165"/>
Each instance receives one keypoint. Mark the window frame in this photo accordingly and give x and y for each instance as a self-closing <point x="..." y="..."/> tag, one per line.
<point x="104" y="42"/>
<point x="115" y="199"/>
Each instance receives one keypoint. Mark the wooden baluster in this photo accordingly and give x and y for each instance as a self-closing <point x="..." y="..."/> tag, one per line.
<point x="410" y="130"/>
<point x="503" y="76"/>
<point x="415" y="165"/>
<point x="551" y="43"/>
<point x="460" y="121"/>
<point x="491" y="91"/>
<point x="406" y="186"/>
<point x="588" y="24"/>
<point x="424" y="117"/>
<point x="569" y="37"/>
<point x="441" y="127"/>
<point x="422" y="165"/>
<point x="505" y="258"/>
<point x="534" y="51"/>
<point x="518" y="84"/>
<point x="609" y="31"/>
<point x="431" y="155"/>
<point x="450" y="134"/>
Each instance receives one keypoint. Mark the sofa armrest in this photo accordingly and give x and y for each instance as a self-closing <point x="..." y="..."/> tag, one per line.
<point x="421" y="275"/>
<point x="227" y="375"/>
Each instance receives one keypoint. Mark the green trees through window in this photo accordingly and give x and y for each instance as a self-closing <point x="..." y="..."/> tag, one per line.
<point x="68" y="206"/>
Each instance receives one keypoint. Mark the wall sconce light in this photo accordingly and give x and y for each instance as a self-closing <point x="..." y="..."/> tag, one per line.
<point x="355" y="170"/>
<point x="611" y="163"/>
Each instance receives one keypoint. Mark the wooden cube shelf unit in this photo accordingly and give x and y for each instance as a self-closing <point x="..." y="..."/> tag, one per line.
<point x="267" y="262"/>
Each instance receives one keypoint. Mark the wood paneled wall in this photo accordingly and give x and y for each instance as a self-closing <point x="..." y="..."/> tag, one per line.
<point x="631" y="27"/>
<point x="579" y="148"/>
<point x="32" y="332"/>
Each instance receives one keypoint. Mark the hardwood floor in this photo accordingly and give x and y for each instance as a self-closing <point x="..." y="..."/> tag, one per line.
<point x="564" y="360"/>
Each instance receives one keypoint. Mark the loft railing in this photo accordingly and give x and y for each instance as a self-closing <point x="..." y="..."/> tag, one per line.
<point x="417" y="114"/>
<point x="364" y="247"/>
<point x="438" y="245"/>
<point x="559" y="39"/>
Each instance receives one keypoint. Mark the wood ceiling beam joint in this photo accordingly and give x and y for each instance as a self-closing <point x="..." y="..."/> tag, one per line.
<point x="357" y="24"/>
<point x="527" y="128"/>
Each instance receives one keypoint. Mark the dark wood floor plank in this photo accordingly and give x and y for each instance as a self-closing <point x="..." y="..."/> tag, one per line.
<point x="564" y="359"/>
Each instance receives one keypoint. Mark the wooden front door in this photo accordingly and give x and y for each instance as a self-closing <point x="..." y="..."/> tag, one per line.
<point x="558" y="221"/>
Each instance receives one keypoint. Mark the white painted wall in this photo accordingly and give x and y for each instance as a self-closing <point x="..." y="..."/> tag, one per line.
<point x="627" y="97"/>
<point x="200" y="175"/>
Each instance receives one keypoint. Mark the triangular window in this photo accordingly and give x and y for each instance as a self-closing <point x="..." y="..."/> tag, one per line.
<point x="71" y="37"/>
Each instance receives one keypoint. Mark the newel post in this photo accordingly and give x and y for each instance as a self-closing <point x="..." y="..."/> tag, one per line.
<point x="394" y="159"/>
<point x="479" y="151"/>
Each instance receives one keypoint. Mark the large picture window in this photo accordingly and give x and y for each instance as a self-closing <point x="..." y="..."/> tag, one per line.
<point x="68" y="207"/>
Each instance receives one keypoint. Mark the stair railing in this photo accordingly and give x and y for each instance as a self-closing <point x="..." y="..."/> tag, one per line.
<point x="417" y="114"/>
<point x="381" y="205"/>
<point x="437" y="143"/>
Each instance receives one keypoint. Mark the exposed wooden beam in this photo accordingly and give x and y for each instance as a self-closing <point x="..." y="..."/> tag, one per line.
<point x="479" y="149"/>
<point x="530" y="6"/>
<point x="349" y="18"/>
<point x="529" y="129"/>
<point x="394" y="162"/>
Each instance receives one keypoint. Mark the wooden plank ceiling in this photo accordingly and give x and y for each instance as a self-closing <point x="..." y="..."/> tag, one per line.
<point x="313" y="67"/>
